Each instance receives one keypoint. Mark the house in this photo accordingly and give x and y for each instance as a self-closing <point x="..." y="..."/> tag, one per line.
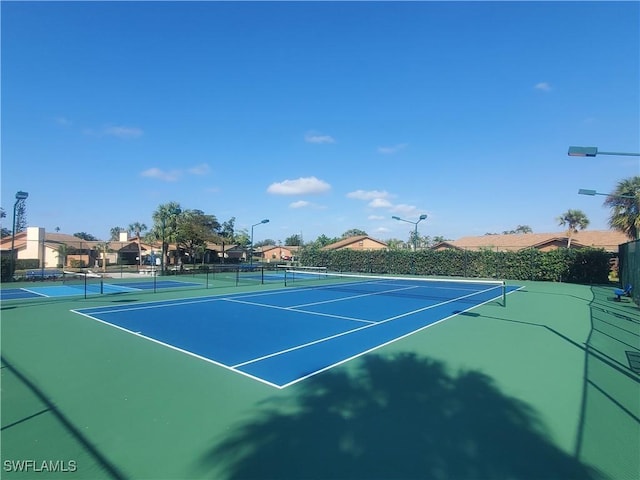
<point x="270" y="253"/>
<point x="359" y="242"/>
<point x="55" y="250"/>
<point x="228" y="252"/>
<point x="605" y="239"/>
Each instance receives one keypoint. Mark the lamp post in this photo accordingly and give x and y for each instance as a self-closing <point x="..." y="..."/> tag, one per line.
<point x="20" y="195"/>
<point x="415" y="232"/>
<point x="593" y="151"/>
<point x="584" y="191"/>
<point x="266" y="220"/>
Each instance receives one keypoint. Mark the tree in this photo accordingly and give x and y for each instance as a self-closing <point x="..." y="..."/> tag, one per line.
<point x="137" y="228"/>
<point x="574" y="220"/>
<point x="439" y="239"/>
<point x="242" y="238"/>
<point x="103" y="248"/>
<point x="227" y="229"/>
<point x="625" y="212"/>
<point x="194" y="229"/>
<point x="354" y="232"/>
<point x="523" y="229"/>
<point x="323" y="241"/>
<point x="63" y="251"/>
<point x="114" y="233"/>
<point x="395" y="244"/>
<point x="21" y="215"/>
<point x="5" y="231"/>
<point x="264" y="243"/>
<point x="165" y="220"/>
<point x="293" y="241"/>
<point x="520" y="229"/>
<point x="84" y="236"/>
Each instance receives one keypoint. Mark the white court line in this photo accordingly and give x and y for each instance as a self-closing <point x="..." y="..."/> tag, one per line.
<point x="294" y="309"/>
<point x="183" y="301"/>
<point x="35" y="293"/>
<point x="352" y="297"/>
<point x="234" y="368"/>
<point x="173" y="347"/>
<point x="393" y="340"/>
<point x="298" y="347"/>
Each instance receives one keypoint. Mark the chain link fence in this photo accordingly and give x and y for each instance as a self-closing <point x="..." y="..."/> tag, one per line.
<point x="630" y="267"/>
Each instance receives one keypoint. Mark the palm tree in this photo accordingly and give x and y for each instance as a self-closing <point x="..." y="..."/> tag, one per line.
<point x="103" y="248"/>
<point x="115" y="233"/>
<point x="575" y="220"/>
<point x="137" y="228"/>
<point x="63" y="251"/>
<point x="625" y="207"/>
<point x="166" y="221"/>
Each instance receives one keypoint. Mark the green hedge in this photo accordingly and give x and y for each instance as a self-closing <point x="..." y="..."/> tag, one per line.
<point x="6" y="274"/>
<point x="585" y="265"/>
<point x="5" y="269"/>
<point x="27" y="264"/>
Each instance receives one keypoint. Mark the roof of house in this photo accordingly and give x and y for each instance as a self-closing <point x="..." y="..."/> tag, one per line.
<point x="349" y="241"/>
<point x="266" y="248"/>
<point x="606" y="239"/>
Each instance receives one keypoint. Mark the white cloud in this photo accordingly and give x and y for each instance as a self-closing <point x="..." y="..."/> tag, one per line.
<point x="300" y="186"/>
<point x="543" y="86"/>
<point x="380" y="203"/>
<point x="391" y="150"/>
<point x="407" y="210"/>
<point x="201" y="169"/>
<point x="368" y="194"/>
<point x="63" y="121"/>
<point x="123" y="132"/>
<point x="115" y="131"/>
<point x="314" y="137"/>
<point x="158" y="174"/>
<point x="299" y="204"/>
<point x="376" y="217"/>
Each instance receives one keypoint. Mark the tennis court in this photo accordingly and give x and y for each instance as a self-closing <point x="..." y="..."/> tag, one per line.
<point x="323" y="379"/>
<point x="281" y="337"/>
<point x="54" y="291"/>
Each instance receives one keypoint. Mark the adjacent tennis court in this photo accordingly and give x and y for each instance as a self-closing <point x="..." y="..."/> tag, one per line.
<point x="80" y="288"/>
<point x="281" y="337"/>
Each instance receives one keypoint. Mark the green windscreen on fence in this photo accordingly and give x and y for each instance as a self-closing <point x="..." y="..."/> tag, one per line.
<point x="630" y="267"/>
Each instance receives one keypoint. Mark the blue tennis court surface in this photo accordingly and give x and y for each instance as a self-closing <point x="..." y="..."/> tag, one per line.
<point x="283" y="336"/>
<point x="91" y="289"/>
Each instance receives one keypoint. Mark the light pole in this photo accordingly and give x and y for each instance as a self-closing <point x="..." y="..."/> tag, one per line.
<point x="415" y="232"/>
<point x="593" y="151"/>
<point x="19" y="197"/>
<point x="266" y="220"/>
<point x="584" y="191"/>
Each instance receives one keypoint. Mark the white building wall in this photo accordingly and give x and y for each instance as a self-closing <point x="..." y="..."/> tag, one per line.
<point x="35" y="245"/>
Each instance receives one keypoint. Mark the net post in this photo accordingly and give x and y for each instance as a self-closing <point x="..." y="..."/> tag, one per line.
<point x="85" y="285"/>
<point x="286" y="272"/>
<point x="101" y="286"/>
<point x="504" y="293"/>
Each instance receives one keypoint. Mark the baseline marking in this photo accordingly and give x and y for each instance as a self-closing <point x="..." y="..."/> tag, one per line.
<point x="372" y="324"/>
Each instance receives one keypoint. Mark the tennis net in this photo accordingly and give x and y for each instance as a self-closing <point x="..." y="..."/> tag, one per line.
<point x="442" y="289"/>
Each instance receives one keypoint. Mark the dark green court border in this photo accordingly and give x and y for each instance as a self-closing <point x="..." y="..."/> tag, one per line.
<point x="547" y="379"/>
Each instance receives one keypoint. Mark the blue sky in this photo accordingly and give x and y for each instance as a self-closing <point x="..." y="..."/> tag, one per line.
<point x="322" y="116"/>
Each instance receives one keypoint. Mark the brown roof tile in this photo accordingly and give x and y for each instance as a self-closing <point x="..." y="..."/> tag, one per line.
<point x="606" y="239"/>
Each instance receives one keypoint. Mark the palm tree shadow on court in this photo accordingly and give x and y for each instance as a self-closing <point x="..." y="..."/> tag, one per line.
<point x="403" y="417"/>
